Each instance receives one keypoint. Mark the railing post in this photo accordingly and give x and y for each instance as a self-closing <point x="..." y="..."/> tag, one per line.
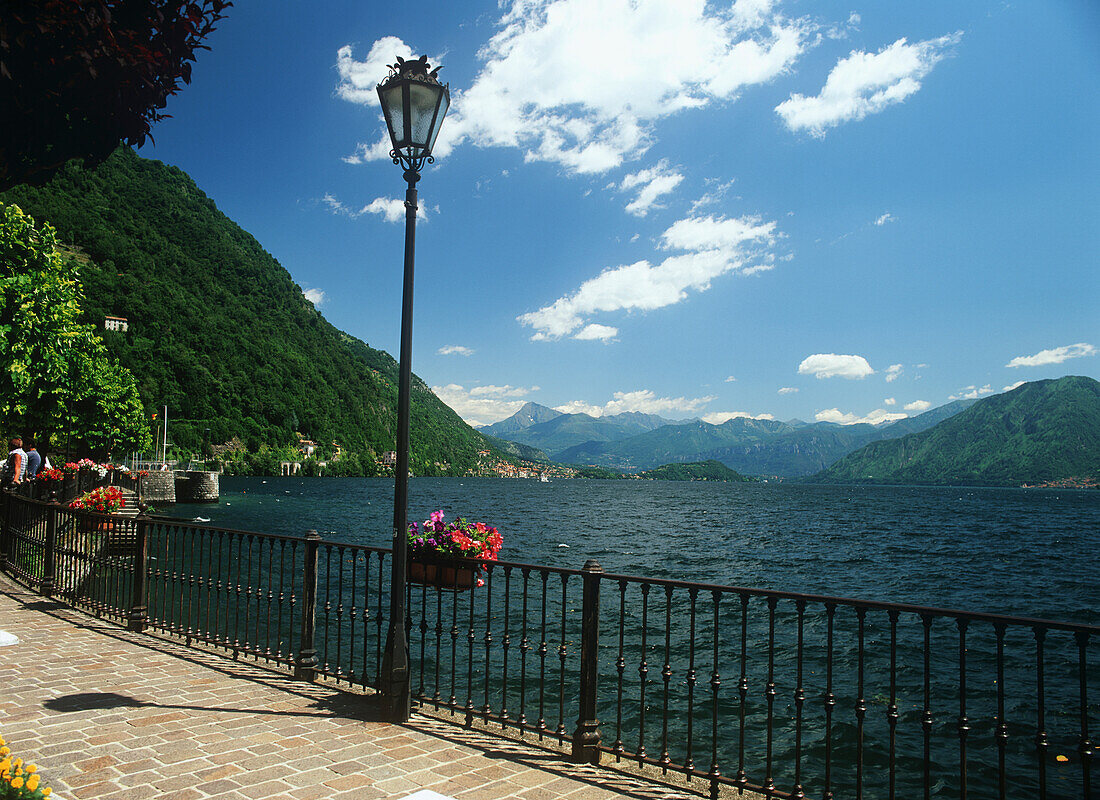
<point x="49" y="559"/>
<point x="586" y="738"/>
<point x="305" y="669"/>
<point x="5" y="526"/>
<point x="139" y="600"/>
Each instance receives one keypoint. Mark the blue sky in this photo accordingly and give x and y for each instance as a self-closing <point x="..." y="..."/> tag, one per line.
<point x="827" y="211"/>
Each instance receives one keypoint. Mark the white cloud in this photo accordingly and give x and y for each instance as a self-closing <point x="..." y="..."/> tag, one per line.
<point x="890" y="401"/>
<point x="1012" y="386"/>
<point x="655" y="58"/>
<point x="650" y="184"/>
<point x="454" y="350"/>
<point x="596" y="331"/>
<point x="971" y="392"/>
<point x="831" y="365"/>
<point x="863" y="84"/>
<point x="1054" y="356"/>
<point x="391" y="209"/>
<point x="887" y="217"/>
<point x="483" y="405"/>
<point x="714" y="245"/>
<point x="718" y="417"/>
<point x="893" y="372"/>
<point x="730" y="379"/>
<point x="716" y="194"/>
<point x="315" y="296"/>
<point x="918" y="406"/>
<point x="788" y="390"/>
<point x="876" y="417"/>
<point x="643" y="401"/>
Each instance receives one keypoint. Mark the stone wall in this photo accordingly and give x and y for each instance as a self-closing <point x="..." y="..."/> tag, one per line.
<point x="196" y="487"/>
<point x="158" y="487"/>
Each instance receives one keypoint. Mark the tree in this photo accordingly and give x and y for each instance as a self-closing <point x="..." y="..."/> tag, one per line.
<point x="58" y="381"/>
<point x="78" y="78"/>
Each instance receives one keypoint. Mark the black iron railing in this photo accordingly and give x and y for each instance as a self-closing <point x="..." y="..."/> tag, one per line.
<point x="782" y="693"/>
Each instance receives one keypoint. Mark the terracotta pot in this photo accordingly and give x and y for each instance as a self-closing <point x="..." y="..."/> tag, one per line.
<point x="446" y="575"/>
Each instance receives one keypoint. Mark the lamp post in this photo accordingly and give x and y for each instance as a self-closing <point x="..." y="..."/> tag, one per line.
<point x="414" y="103"/>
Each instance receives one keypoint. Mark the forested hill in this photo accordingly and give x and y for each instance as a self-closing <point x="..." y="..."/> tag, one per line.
<point x="219" y="331"/>
<point x="1045" y="431"/>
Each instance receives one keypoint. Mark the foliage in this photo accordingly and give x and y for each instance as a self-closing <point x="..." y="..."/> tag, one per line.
<point x="76" y="78"/>
<point x="103" y="499"/>
<point x="1042" y="431"/>
<point x="58" y="379"/>
<point x="710" y="470"/>
<point x="598" y="473"/>
<point x="219" y="331"/>
<point x="19" y="781"/>
<point x="459" y="539"/>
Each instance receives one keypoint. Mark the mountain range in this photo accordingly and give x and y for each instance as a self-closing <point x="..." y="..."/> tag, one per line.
<point x="632" y="442"/>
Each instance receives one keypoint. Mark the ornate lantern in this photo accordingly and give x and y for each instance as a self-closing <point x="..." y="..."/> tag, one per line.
<point x="414" y="103"/>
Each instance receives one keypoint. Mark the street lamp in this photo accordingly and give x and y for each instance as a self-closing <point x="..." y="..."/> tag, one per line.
<point x="414" y="103"/>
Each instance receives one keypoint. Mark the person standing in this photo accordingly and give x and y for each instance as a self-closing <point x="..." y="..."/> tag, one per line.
<point x="34" y="461"/>
<point x="16" y="465"/>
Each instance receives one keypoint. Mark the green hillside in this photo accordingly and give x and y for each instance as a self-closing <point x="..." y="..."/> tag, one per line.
<point x="1042" y="431"/>
<point x="699" y="471"/>
<point x="219" y="331"/>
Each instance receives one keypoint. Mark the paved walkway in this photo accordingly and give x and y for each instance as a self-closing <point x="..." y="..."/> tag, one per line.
<point x="109" y="714"/>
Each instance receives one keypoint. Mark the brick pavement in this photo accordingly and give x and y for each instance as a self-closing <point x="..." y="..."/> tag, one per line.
<point x="108" y="714"/>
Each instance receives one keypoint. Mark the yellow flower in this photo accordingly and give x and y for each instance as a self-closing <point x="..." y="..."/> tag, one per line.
<point x="5" y="765"/>
<point x="5" y="751"/>
<point x="32" y="783"/>
<point x="32" y="768"/>
<point x="47" y="791"/>
<point x="17" y="783"/>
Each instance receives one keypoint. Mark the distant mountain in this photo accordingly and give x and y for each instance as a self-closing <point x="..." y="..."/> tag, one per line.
<point x="530" y="414"/>
<point x="750" y="446"/>
<point x="562" y="431"/>
<point x="1042" y="431"/>
<point x="700" y="471"/>
<point x="526" y="452"/>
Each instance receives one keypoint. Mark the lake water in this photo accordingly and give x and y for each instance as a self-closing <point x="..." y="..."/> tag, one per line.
<point x="1031" y="553"/>
<point x="1024" y="552"/>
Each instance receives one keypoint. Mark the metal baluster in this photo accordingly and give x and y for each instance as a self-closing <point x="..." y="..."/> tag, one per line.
<point x="218" y="600"/>
<point x="524" y="647"/>
<point x="964" y="723"/>
<point x="799" y="700"/>
<point x="191" y="564"/>
<point x="424" y="627"/>
<point x="366" y="617"/>
<point x="380" y="619"/>
<point x="926" y="716"/>
<point x="540" y="726"/>
<point x="293" y="601"/>
<point x="505" y="644"/>
<point x="327" y="607"/>
<point x="743" y="692"/>
<point x="1041" y="743"/>
<point x="560" y="730"/>
<point x="769" y="695"/>
<point x="353" y="617"/>
<point x="689" y="761"/>
<point x="270" y="597"/>
<point x="1002" y="726"/>
<point x="339" y="613"/>
<point x="620" y="667"/>
<point x="486" y="708"/>
<point x="436" y="696"/>
<point x="861" y="703"/>
<point x="892" y="709"/>
<point x="454" y="654"/>
<point x="715" y="684"/>
<point x="1085" y="746"/>
<point x="471" y="637"/>
<point x="643" y="673"/>
<point x="666" y="677"/>
<point x="248" y="594"/>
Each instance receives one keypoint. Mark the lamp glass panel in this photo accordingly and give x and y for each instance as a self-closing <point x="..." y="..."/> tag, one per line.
<point x="444" y="104"/>
<point x="423" y="100"/>
<point x="391" y="107"/>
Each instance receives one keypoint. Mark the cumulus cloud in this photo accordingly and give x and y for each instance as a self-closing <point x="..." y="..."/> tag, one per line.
<point x="483" y="405"/>
<point x="887" y="217"/>
<point x="656" y="58"/>
<point x="890" y="401"/>
<point x="971" y="392"/>
<point x="391" y="209"/>
<point x="877" y="417"/>
<point x="893" y="372"/>
<point x="831" y="365"/>
<point x="918" y="406"/>
<point x="315" y="296"/>
<point x="713" y="245"/>
<point x="730" y="379"/>
<point x="1054" y="356"/>
<point x="1012" y="386"/>
<point x="454" y="350"/>
<point x="788" y="390"/>
<point x="596" y="331"/>
<point x="649" y="185"/>
<point x="718" y="417"/>
<point x="643" y="400"/>
<point x="863" y="84"/>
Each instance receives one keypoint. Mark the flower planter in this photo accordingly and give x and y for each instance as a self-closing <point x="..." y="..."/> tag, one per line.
<point x="454" y="575"/>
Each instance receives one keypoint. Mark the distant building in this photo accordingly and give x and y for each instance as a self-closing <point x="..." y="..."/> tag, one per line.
<point x="389" y="458"/>
<point x="116" y="323"/>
